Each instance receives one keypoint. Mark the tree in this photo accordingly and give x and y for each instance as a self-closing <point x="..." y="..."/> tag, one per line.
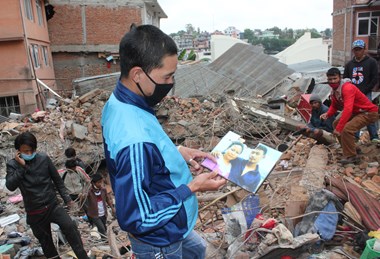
<point x="192" y="55"/>
<point x="189" y="28"/>
<point x="181" y="33"/>
<point x="249" y="35"/>
<point x="315" y="33"/>
<point x="276" y="30"/>
<point x="182" y="54"/>
<point x="287" y="34"/>
<point x="328" y="33"/>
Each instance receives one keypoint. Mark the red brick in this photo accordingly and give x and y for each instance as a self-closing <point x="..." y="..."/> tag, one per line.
<point x="104" y="25"/>
<point x="107" y="25"/>
<point x="66" y="25"/>
<point x="348" y="171"/>
<point x="376" y="179"/>
<point x="372" y="171"/>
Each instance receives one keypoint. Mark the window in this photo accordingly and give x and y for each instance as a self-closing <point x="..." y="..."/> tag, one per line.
<point x="28" y="9"/>
<point x="368" y="23"/>
<point x="9" y="104"/>
<point x="39" y="13"/>
<point x="363" y="27"/>
<point x="45" y="55"/>
<point x="35" y="56"/>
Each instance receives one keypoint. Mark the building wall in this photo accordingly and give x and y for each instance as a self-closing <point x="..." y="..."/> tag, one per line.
<point x="17" y="34"/>
<point x="10" y="15"/>
<point x="69" y="66"/>
<point x="345" y="28"/>
<point x="84" y="33"/>
<point x="222" y="43"/>
<point x="304" y="49"/>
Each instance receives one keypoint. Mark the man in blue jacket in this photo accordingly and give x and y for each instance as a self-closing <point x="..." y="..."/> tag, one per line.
<point x="318" y="129"/>
<point x="154" y="188"/>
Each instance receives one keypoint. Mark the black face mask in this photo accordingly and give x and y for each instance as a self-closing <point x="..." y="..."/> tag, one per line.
<point x="160" y="91"/>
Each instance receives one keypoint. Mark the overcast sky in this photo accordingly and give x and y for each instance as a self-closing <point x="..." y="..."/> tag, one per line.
<point x="211" y="15"/>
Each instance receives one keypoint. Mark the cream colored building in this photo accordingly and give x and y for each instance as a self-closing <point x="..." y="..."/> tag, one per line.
<point x="305" y="49"/>
<point x="221" y="43"/>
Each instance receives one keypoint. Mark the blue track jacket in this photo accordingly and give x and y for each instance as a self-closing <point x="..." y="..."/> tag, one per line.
<point x="148" y="174"/>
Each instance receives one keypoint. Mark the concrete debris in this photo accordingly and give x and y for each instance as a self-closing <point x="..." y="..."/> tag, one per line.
<point x="4" y="221"/>
<point x="200" y="122"/>
<point x="79" y="131"/>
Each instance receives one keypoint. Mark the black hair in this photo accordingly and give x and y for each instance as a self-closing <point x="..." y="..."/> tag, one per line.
<point x="26" y="138"/>
<point x="234" y="143"/>
<point x="70" y="163"/>
<point x="333" y="72"/>
<point x="144" y="46"/>
<point x="70" y="152"/>
<point x="264" y="149"/>
<point x="96" y="177"/>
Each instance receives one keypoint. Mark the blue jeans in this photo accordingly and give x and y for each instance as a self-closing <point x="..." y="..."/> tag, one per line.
<point x="372" y="128"/>
<point x="193" y="246"/>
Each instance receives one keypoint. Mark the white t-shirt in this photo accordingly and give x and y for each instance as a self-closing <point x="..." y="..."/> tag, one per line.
<point x="101" y="209"/>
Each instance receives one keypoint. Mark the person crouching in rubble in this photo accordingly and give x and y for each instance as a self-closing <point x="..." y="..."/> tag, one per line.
<point x="318" y="129"/>
<point x="71" y="154"/>
<point x="97" y="198"/>
<point x="357" y="111"/>
<point x="37" y="178"/>
<point x="76" y="180"/>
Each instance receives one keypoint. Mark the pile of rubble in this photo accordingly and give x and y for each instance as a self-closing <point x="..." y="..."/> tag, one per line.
<point x="200" y="122"/>
<point x="69" y="123"/>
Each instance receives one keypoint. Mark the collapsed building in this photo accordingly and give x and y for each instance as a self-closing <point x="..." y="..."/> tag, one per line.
<point x="262" y="100"/>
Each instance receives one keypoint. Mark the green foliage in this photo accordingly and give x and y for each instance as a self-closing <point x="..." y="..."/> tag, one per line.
<point x="181" y="33"/>
<point x="273" y="45"/>
<point x="286" y="37"/>
<point x="328" y="33"/>
<point x="192" y="55"/>
<point x="249" y="35"/>
<point x="182" y="54"/>
<point x="276" y="30"/>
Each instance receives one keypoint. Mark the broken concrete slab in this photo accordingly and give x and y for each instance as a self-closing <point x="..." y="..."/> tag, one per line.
<point x="79" y="131"/>
<point x="86" y="97"/>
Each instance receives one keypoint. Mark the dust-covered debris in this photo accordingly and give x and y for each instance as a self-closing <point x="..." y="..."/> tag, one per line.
<point x="200" y="122"/>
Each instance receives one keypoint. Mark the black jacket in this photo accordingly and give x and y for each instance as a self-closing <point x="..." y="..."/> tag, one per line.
<point x="37" y="182"/>
<point x="363" y="74"/>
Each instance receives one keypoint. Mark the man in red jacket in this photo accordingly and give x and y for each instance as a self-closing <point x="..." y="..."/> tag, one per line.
<point x="357" y="112"/>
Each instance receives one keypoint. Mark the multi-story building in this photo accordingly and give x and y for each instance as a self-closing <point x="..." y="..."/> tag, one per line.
<point x="85" y="34"/>
<point x="232" y="32"/>
<point x="202" y="42"/>
<point x="268" y="35"/>
<point x="352" y="20"/>
<point x="184" y="41"/>
<point x="25" y="50"/>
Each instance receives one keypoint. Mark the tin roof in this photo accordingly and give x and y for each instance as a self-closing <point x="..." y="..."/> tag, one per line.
<point x="243" y="71"/>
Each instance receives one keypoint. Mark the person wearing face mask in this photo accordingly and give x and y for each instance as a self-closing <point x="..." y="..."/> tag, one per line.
<point x="37" y="178"/>
<point x="97" y="200"/>
<point x="357" y="112"/>
<point x="150" y="177"/>
<point x="363" y="72"/>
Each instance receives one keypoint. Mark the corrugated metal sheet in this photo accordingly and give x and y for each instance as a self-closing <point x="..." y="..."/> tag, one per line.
<point x="3" y="119"/>
<point x="323" y="90"/>
<point x="311" y="66"/>
<point x="243" y="70"/>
